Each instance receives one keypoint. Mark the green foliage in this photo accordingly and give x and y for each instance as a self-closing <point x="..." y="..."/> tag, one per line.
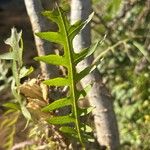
<point x="64" y="37"/>
<point x="8" y="128"/>
<point x="17" y="105"/>
<point x="71" y="123"/>
<point x="4" y="69"/>
<point x="113" y="7"/>
<point x="142" y="50"/>
<point x="18" y="70"/>
<point x="125" y="70"/>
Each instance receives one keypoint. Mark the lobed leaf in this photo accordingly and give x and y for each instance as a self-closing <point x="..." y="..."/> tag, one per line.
<point x="64" y="36"/>
<point x="15" y="41"/>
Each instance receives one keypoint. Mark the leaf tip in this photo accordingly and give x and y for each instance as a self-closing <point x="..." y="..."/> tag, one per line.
<point x="36" y="58"/>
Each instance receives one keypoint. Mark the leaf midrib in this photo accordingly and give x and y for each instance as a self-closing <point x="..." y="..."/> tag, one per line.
<point x="71" y="72"/>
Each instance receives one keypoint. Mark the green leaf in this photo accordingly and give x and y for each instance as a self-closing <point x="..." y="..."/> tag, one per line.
<point x="15" y="41"/>
<point x="7" y="56"/>
<point x="57" y="82"/>
<point x="85" y="53"/>
<point x="9" y="111"/>
<point x="88" y="20"/>
<point x="114" y="7"/>
<point x="92" y="49"/>
<point x="78" y="26"/>
<point x="68" y="130"/>
<point x="86" y="111"/>
<point x="14" y="38"/>
<point x="52" y="15"/>
<point x="55" y="37"/>
<point x="53" y="59"/>
<point x="84" y="91"/>
<point x="75" y="29"/>
<point x="86" y="128"/>
<point x="25" y="112"/>
<point x="57" y="104"/>
<point x="64" y="37"/>
<point x="61" y="120"/>
<point x="59" y="17"/>
<point x="25" y="72"/>
<point x="80" y="56"/>
<point x="85" y="72"/>
<point x="12" y="106"/>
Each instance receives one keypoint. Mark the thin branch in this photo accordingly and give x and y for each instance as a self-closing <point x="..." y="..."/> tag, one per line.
<point x="39" y="24"/>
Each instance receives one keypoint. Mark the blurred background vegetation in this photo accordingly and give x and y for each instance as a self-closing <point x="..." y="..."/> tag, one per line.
<point x="125" y="69"/>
